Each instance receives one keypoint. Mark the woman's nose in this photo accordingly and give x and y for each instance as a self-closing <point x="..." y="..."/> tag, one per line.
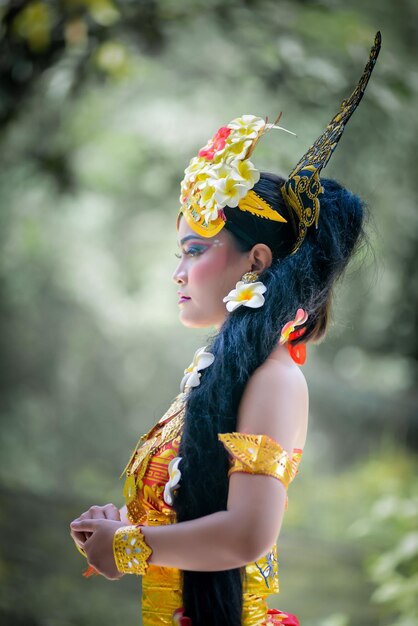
<point x="179" y="275"/>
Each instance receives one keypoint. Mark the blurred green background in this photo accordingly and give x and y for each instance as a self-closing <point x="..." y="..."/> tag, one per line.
<point x="102" y="104"/>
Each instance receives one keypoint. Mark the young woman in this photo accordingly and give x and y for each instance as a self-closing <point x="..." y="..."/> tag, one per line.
<point x="206" y="488"/>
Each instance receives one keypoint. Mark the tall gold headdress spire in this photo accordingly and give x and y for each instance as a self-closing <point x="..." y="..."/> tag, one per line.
<point x="303" y="186"/>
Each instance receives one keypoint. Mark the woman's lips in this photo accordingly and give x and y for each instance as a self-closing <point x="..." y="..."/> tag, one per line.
<point x="183" y="299"/>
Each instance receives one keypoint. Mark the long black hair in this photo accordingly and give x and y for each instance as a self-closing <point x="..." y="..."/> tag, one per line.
<point x="303" y="279"/>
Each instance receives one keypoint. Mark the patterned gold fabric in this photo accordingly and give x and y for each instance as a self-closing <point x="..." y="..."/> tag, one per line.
<point x="260" y="454"/>
<point x="146" y="476"/>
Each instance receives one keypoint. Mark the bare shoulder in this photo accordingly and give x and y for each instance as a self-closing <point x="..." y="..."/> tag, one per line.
<point x="275" y="402"/>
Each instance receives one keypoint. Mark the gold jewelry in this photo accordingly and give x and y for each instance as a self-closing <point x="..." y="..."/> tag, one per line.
<point x="81" y="551"/>
<point x="258" y="454"/>
<point x="130" y="550"/>
<point x="249" y="277"/>
<point x="255" y="204"/>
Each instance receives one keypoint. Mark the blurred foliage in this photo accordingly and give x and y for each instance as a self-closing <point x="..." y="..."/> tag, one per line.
<point x="102" y="104"/>
<point x="391" y="528"/>
<point x="354" y="533"/>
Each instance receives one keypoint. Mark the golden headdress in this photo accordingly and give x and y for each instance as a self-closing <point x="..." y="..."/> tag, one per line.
<point x="222" y="174"/>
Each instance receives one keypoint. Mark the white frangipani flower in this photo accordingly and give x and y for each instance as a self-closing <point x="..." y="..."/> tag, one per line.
<point x="247" y="294"/>
<point x="175" y="475"/>
<point x="207" y="199"/>
<point x="247" y="171"/>
<point x="211" y="212"/>
<point x="196" y="166"/>
<point x="230" y="191"/>
<point x="246" y="126"/>
<point x="237" y="150"/>
<point x="219" y="171"/>
<point x="201" y="360"/>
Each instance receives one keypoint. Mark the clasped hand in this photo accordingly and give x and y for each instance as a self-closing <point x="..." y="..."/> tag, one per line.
<point x="93" y="532"/>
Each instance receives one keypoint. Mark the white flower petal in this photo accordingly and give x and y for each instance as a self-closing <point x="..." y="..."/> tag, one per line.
<point x="205" y="360"/>
<point x="175" y="476"/>
<point x="194" y="379"/>
<point x="167" y="495"/>
<point x="256" y="301"/>
<point x="234" y="304"/>
<point x="184" y="381"/>
<point x="258" y="287"/>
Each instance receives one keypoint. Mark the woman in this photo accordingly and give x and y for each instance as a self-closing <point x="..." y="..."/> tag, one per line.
<point x="206" y="488"/>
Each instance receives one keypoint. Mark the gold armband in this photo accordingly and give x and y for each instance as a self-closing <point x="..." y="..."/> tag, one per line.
<point x="258" y="454"/>
<point x="130" y="550"/>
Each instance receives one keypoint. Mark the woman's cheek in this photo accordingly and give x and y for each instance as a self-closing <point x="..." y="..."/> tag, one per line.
<point x="207" y="268"/>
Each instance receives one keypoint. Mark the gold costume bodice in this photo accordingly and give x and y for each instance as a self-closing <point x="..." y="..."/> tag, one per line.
<point x="145" y="493"/>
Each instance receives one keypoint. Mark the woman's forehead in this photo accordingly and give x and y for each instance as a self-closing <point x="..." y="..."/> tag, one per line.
<point x="186" y="233"/>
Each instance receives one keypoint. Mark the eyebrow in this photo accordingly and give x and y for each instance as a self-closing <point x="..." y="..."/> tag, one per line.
<point x="190" y="237"/>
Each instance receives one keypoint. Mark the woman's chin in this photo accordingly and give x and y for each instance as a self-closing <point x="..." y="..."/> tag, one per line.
<point x="190" y="321"/>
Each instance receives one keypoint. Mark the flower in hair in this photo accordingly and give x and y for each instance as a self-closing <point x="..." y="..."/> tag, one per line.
<point x="221" y="175"/>
<point x="217" y="144"/>
<point x="175" y="475"/>
<point x="289" y="327"/>
<point x="246" y="294"/>
<point x="201" y="360"/>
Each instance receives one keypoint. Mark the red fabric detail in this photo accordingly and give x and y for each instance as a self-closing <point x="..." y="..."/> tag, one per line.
<point x="274" y="616"/>
<point x="180" y="619"/>
<point x="151" y="487"/>
<point x="90" y="571"/>
<point x="285" y="619"/>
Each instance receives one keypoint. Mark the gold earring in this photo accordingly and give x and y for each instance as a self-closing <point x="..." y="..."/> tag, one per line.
<point x="249" y="277"/>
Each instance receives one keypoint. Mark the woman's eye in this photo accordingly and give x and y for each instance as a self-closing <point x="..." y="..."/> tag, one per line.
<point x="190" y="252"/>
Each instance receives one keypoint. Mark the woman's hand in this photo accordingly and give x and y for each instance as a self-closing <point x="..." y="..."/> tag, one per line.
<point x="108" y="511"/>
<point x="99" y="546"/>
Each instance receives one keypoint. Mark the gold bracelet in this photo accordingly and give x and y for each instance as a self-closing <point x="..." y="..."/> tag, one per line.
<point x="81" y="551"/>
<point x="130" y="550"/>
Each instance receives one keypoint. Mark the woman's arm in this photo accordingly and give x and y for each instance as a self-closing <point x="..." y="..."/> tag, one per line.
<point x="274" y="403"/>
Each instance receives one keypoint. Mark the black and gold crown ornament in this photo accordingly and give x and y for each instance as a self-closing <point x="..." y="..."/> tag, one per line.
<point x="302" y="188"/>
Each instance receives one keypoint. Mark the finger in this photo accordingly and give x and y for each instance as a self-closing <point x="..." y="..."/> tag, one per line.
<point x="96" y="512"/>
<point x="79" y="541"/>
<point x="112" y="512"/>
<point x="83" y="516"/>
<point x="79" y="538"/>
<point x="87" y="525"/>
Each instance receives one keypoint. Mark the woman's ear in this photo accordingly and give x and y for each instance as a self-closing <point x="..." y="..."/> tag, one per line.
<point x="260" y="257"/>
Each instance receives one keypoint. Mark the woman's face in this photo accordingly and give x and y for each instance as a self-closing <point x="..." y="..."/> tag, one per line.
<point x="209" y="268"/>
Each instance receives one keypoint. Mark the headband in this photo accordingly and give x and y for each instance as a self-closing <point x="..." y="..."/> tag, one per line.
<point x="222" y="175"/>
